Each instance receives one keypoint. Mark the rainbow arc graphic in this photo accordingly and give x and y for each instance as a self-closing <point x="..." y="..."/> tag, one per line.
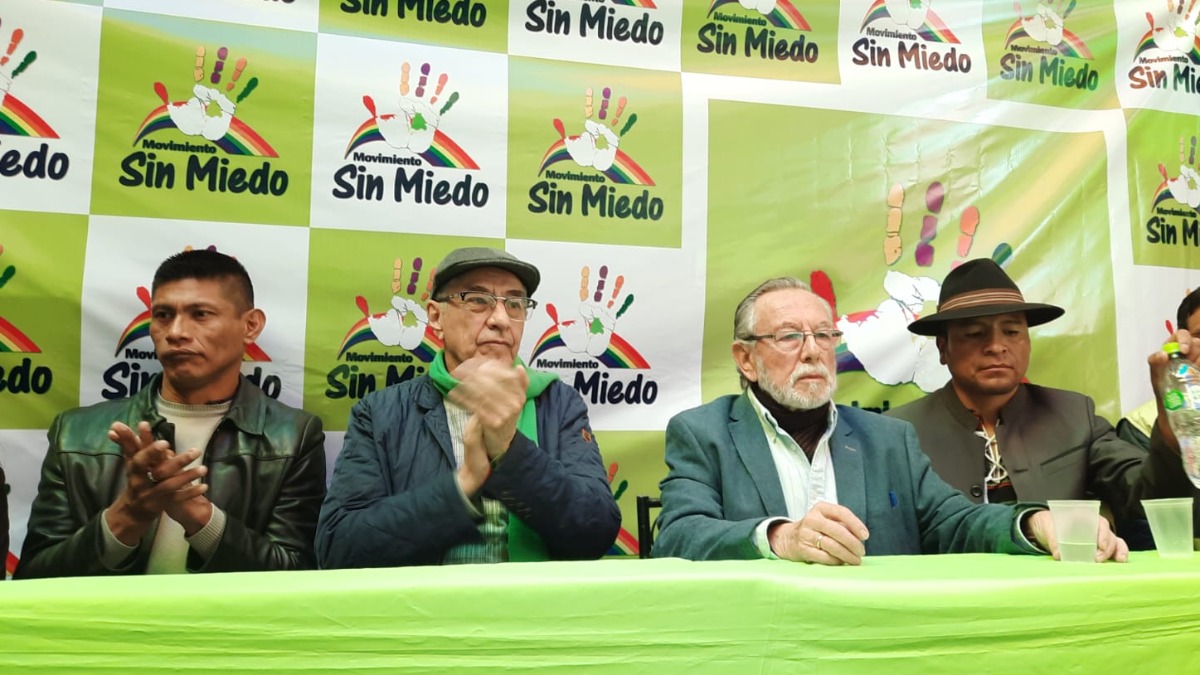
<point x="620" y="354"/>
<point x="640" y="4"/>
<point x="17" y="119"/>
<point x="1162" y="193"/>
<point x="443" y="152"/>
<point x="785" y="15"/>
<point x="933" y="30"/>
<point x="361" y="332"/>
<point x="13" y="341"/>
<point x="1071" y="44"/>
<point x="239" y="140"/>
<point x="624" y="170"/>
<point x="1147" y="44"/>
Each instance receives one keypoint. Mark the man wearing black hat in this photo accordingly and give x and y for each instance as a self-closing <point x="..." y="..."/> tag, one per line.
<point x="480" y="459"/>
<point x="999" y="439"/>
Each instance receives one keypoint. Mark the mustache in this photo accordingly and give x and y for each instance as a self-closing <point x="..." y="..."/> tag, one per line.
<point x="803" y="370"/>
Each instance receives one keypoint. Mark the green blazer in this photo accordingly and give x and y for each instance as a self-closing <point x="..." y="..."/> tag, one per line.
<point x="722" y="483"/>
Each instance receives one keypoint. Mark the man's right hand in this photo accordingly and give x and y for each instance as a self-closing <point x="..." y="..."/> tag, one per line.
<point x="154" y="478"/>
<point x="829" y="534"/>
<point x="476" y="466"/>
<point x="1158" y="359"/>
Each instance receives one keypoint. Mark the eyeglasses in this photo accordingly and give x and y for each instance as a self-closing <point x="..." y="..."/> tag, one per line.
<point x="479" y="302"/>
<point x="792" y="340"/>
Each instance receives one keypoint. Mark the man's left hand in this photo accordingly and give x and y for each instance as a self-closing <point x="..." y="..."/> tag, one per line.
<point x="494" y="392"/>
<point x="193" y="514"/>
<point x="1040" y="527"/>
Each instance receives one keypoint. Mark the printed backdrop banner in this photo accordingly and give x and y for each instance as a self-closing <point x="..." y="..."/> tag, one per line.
<point x="656" y="159"/>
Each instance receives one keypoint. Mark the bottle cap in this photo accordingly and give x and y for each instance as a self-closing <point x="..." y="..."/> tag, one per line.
<point x="1171" y="347"/>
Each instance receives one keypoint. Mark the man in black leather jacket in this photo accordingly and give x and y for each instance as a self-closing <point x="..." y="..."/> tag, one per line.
<point x="199" y="471"/>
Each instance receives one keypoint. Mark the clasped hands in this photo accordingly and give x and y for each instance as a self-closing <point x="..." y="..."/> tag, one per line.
<point x="830" y="534"/>
<point x="494" y="393"/>
<point x="157" y="481"/>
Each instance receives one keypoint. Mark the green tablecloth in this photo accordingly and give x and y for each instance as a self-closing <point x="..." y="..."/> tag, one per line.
<point x="964" y="614"/>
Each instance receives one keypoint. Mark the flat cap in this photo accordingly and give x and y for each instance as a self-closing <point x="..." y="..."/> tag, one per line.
<point x="463" y="260"/>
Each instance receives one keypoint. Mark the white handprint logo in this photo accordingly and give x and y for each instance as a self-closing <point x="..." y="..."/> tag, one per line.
<point x="763" y="7"/>
<point x="7" y="76"/>
<point x="209" y="112"/>
<point x="414" y="121"/>
<point x="1047" y="24"/>
<point x="910" y="13"/>
<point x="597" y="145"/>
<point x="1185" y="188"/>
<point x="1177" y="33"/>
<point x="403" y="325"/>
<point x="881" y="341"/>
<point x="591" y="333"/>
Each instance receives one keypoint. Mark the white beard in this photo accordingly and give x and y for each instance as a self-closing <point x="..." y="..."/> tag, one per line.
<point x="810" y="396"/>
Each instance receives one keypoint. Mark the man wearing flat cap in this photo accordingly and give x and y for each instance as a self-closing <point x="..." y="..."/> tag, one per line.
<point x="479" y="460"/>
<point x="1000" y="439"/>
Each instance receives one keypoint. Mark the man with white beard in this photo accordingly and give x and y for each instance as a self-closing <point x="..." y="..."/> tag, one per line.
<point x="779" y="471"/>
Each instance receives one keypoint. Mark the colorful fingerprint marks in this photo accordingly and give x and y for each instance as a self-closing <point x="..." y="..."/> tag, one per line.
<point x="47" y="122"/>
<point x="599" y="326"/>
<point x="466" y="24"/>
<point x="887" y="232"/>
<point x="635" y="33"/>
<point x="595" y="154"/>
<point x="118" y="353"/>
<point x="368" y="326"/>
<point x="924" y="251"/>
<point x="409" y="140"/>
<point x="1164" y="188"/>
<point x="290" y="14"/>
<point x="1051" y="52"/>
<point x="777" y="39"/>
<point x="1159" y="57"/>
<point x="221" y="129"/>
<point x="41" y="263"/>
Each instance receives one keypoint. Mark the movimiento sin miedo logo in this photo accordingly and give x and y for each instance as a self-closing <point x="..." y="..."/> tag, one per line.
<point x="590" y="332"/>
<point x="1168" y="220"/>
<point x="126" y="377"/>
<point x="1045" y="34"/>
<point x="215" y="119"/>
<point x="918" y="35"/>
<point x="616" y="21"/>
<point x="599" y="160"/>
<point x="404" y="325"/>
<point x="767" y="31"/>
<point x="18" y="119"/>
<point x="1170" y="41"/>
<point x="410" y="129"/>
<point x="25" y="377"/>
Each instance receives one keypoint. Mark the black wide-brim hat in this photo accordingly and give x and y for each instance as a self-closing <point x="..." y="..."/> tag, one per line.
<point x="981" y="288"/>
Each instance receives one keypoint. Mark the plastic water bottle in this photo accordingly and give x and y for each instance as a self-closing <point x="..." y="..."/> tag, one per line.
<point x="1180" y="386"/>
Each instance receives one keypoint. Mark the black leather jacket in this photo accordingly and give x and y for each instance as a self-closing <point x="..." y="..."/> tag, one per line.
<point x="266" y="470"/>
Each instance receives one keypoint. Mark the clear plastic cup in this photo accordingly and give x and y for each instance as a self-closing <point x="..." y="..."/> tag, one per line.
<point x="1171" y="525"/>
<point x="1075" y="526"/>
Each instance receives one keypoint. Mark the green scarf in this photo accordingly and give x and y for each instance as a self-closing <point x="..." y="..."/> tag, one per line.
<point x="524" y="545"/>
